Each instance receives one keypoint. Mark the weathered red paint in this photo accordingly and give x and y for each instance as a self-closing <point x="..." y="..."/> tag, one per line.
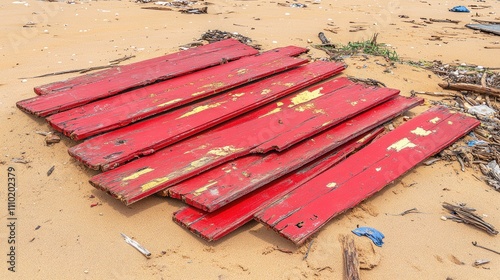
<point x="68" y="96"/>
<point x="215" y="225"/>
<point x="305" y="114"/>
<point x="123" y="109"/>
<point x="221" y="185"/>
<point x="158" y="68"/>
<point x="116" y="147"/>
<point x="302" y="212"/>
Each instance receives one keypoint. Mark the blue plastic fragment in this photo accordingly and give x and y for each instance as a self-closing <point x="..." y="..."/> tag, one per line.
<point x="459" y="9"/>
<point x="375" y="235"/>
<point x="473" y="143"/>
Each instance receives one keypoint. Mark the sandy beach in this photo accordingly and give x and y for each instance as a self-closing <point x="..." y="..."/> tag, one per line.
<point x="60" y="236"/>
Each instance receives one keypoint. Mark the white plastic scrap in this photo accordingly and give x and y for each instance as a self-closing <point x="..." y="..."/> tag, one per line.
<point x="483" y="110"/>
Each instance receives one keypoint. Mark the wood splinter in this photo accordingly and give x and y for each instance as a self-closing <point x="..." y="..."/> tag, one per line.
<point x="470" y="87"/>
<point x="351" y="262"/>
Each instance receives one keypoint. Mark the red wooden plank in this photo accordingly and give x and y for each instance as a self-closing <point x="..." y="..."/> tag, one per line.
<point x="217" y="224"/>
<point x="114" y="148"/>
<point x="218" y="187"/>
<point x="128" y="107"/>
<point x="158" y="68"/>
<point x="303" y="211"/>
<point x="48" y="104"/>
<point x="308" y="113"/>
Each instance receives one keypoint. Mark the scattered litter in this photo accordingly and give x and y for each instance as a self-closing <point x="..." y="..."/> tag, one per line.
<point x="94" y="204"/>
<point x="409" y="211"/>
<point x="20" y="160"/>
<point x="482" y="110"/>
<point x="351" y="262"/>
<point x="197" y="11"/>
<point x="52" y="138"/>
<point x="480" y="262"/>
<point x="473" y="143"/>
<point x="482" y="247"/>
<point x="136" y="245"/>
<point x="308" y="249"/>
<point x="51" y="170"/>
<point x="367" y="81"/>
<point x="459" y="9"/>
<point x="375" y="235"/>
<point x="444" y="218"/>
<point x="43" y="133"/>
<point x="488" y="28"/>
<point x="38" y="227"/>
<point x="431" y="161"/>
<point x="462" y="214"/>
<point x="218" y="35"/>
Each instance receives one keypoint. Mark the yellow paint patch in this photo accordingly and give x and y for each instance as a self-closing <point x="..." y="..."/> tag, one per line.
<point x="378" y="169"/>
<point x="198" y="93"/>
<point x="289" y="84"/>
<point x="214" y="85"/>
<point x="224" y="151"/>
<point x="304" y="107"/>
<point x="331" y="185"/>
<point x="137" y="174"/>
<point x="421" y="132"/>
<point x="450" y="122"/>
<point x="154" y="183"/>
<point x="238" y="94"/>
<point x="197" y="163"/>
<point x="306" y="96"/>
<point x="200" y="109"/>
<point x="265" y="91"/>
<point x="279" y="104"/>
<point x="170" y="102"/>
<point x="204" y="188"/>
<point x="274" y="111"/>
<point x="327" y="123"/>
<point x="242" y="71"/>
<point x="434" y="120"/>
<point x="401" y="144"/>
<point x="354" y="103"/>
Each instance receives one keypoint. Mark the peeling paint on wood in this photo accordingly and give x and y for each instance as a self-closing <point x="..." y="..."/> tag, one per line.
<point x="215" y="225"/>
<point x="134" y="105"/>
<point x="248" y="133"/>
<point x="303" y="211"/>
<point x="74" y="92"/>
<point x="103" y="151"/>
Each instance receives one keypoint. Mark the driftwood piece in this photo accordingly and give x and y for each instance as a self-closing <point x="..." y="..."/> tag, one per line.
<point x="351" y="262"/>
<point x="430" y="93"/>
<point x="463" y="214"/>
<point x="470" y="87"/>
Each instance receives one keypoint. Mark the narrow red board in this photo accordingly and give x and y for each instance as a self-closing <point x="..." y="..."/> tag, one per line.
<point x="219" y="186"/>
<point x="128" y="107"/>
<point x="114" y="148"/>
<point x="155" y="69"/>
<point x="215" y="225"/>
<point x="306" y="113"/>
<point x="48" y="104"/>
<point x="302" y="212"/>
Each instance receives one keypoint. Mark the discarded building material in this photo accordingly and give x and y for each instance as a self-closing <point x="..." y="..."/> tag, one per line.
<point x="350" y="254"/>
<point x="85" y="89"/>
<point x="114" y="148"/>
<point x="488" y="28"/>
<point x="482" y="247"/>
<point x="136" y="245"/>
<point x="466" y="215"/>
<point x="123" y="109"/>
<point x="219" y="186"/>
<point x="302" y="212"/>
<point x="215" y="225"/>
<point x="273" y="127"/>
<point x="470" y="87"/>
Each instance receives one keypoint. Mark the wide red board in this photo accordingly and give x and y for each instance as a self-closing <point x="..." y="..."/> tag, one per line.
<point x="158" y="68"/>
<point x="116" y="147"/>
<point x="221" y="185"/>
<point x="123" y="109"/>
<point x="212" y="226"/>
<point x="305" y="210"/>
<point x="66" y="95"/>
<point x="273" y="127"/>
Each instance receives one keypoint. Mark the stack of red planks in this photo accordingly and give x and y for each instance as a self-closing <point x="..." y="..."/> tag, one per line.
<point x="239" y="135"/>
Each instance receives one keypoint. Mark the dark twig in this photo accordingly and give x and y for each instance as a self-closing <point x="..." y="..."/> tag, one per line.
<point x="368" y="81"/>
<point x="308" y="249"/>
<point x="491" y="250"/>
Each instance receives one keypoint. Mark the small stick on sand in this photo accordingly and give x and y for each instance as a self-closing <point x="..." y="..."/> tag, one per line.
<point x="351" y="262"/>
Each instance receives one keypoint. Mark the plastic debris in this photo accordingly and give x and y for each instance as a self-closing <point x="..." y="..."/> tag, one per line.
<point x="459" y="9"/>
<point x="136" y="245"/>
<point x="473" y="143"/>
<point x="483" y="110"/>
<point x="375" y="235"/>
